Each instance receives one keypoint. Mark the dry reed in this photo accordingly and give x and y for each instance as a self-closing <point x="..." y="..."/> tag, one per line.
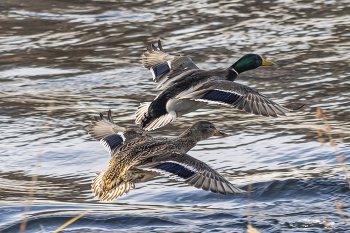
<point x="30" y="198"/>
<point x="250" y="228"/>
<point x="322" y="115"/>
<point x="33" y="187"/>
<point x="71" y="221"/>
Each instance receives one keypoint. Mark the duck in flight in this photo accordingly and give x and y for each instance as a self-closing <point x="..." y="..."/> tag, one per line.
<point x="138" y="157"/>
<point x="186" y="88"/>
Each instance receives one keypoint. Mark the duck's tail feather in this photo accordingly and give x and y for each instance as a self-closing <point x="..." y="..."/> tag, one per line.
<point x="160" y="121"/>
<point x="142" y="113"/>
<point x="147" y="122"/>
<point x="298" y="108"/>
<point x="111" y="194"/>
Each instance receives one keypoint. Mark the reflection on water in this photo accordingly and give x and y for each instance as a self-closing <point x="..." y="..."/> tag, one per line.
<point x="61" y="62"/>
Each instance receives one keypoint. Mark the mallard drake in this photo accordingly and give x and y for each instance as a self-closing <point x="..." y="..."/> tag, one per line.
<point x="138" y="157"/>
<point x="187" y="88"/>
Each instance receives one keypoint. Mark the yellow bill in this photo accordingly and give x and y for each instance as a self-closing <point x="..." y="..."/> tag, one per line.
<point x="220" y="134"/>
<point x="267" y="63"/>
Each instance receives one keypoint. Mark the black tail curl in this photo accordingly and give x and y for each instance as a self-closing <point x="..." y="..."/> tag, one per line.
<point x="299" y="108"/>
<point x="146" y="120"/>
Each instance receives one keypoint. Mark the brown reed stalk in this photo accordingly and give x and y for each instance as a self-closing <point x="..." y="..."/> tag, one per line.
<point x="30" y="198"/>
<point x="327" y="226"/>
<point x="33" y="187"/>
<point x="340" y="211"/>
<point x="71" y="221"/>
<point x="322" y="115"/>
<point x="250" y="228"/>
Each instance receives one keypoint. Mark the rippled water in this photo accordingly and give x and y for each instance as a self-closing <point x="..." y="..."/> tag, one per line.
<point x="63" y="61"/>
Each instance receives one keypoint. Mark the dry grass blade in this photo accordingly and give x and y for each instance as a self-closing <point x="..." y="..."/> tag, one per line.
<point x="340" y="211"/>
<point x="248" y="207"/>
<point x="23" y="225"/>
<point x="320" y="114"/>
<point x="339" y="206"/>
<point x="320" y="132"/>
<point x="251" y="229"/>
<point x="322" y="141"/>
<point x="329" y="128"/>
<point x="326" y="224"/>
<point x="71" y="221"/>
<point x="341" y="158"/>
<point x="332" y="142"/>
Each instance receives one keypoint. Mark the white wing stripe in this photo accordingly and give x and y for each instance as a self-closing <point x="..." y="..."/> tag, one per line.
<point x="105" y="144"/>
<point x="121" y="135"/>
<point x="184" y="165"/>
<point x="169" y="63"/>
<point x="153" y="74"/>
<point x="227" y="91"/>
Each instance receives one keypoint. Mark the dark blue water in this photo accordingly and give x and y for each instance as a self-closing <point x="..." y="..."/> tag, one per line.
<point x="63" y="61"/>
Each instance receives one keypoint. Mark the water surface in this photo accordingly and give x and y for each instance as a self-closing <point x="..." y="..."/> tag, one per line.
<point x="63" y="61"/>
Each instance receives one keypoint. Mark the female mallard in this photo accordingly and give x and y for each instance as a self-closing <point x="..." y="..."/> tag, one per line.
<point x="188" y="88"/>
<point x="138" y="157"/>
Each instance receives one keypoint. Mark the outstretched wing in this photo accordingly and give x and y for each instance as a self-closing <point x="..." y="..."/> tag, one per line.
<point x="110" y="135"/>
<point x="192" y="171"/>
<point x="238" y="96"/>
<point x="167" y="69"/>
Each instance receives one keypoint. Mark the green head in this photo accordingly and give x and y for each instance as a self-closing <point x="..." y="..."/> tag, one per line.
<point x="250" y="62"/>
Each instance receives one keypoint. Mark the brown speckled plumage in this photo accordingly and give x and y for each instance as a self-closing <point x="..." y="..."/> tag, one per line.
<point x="141" y="158"/>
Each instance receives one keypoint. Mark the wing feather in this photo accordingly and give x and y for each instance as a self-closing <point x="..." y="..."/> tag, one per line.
<point x="166" y="69"/>
<point x="238" y="96"/>
<point x="192" y="171"/>
<point x="110" y="135"/>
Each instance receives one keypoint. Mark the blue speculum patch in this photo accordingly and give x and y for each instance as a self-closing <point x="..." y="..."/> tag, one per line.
<point x="113" y="141"/>
<point x="161" y="69"/>
<point x="176" y="169"/>
<point x="221" y="96"/>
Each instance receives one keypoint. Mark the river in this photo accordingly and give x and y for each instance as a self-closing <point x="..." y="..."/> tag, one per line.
<point x="62" y="62"/>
